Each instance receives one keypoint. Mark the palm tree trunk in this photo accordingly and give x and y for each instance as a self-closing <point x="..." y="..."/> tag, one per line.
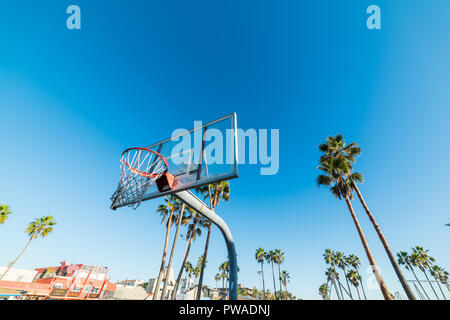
<point x="348" y="286"/>
<point x="383" y="288"/>
<point x="417" y="279"/>
<point x="394" y="263"/>
<point x="172" y="251"/>
<point x="17" y="258"/>
<point x="360" y="281"/>
<point x="440" y="288"/>
<point x="262" y="275"/>
<point x="273" y="276"/>
<point x="202" y="270"/>
<point x="359" y="296"/>
<point x="279" y="278"/>
<point x="335" y="287"/>
<point x="341" y="297"/>
<point x="345" y="290"/>
<point x="174" y="293"/>
<point x="163" y="260"/>
<point x="432" y="288"/>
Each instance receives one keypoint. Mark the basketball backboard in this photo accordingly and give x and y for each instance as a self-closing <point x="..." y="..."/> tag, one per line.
<point x="200" y="156"/>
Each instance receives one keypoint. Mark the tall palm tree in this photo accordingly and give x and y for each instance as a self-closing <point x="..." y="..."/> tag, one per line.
<point x="5" y="211"/>
<point x="442" y="275"/>
<point x="421" y="259"/>
<point x="329" y="256"/>
<point x="285" y="278"/>
<point x="271" y="258"/>
<point x="338" y="176"/>
<point x="166" y="210"/>
<point x="214" y="192"/>
<point x="336" y="147"/>
<point x="181" y="219"/>
<point x="224" y="268"/>
<point x="323" y="291"/>
<point x="354" y="279"/>
<point x="404" y="259"/>
<point x="196" y="271"/>
<point x="189" y="269"/>
<point x="435" y="272"/>
<point x="217" y="277"/>
<point x="38" y="227"/>
<point x="260" y="257"/>
<point x="194" y="230"/>
<point x="279" y="260"/>
<point x="342" y="263"/>
<point x="353" y="260"/>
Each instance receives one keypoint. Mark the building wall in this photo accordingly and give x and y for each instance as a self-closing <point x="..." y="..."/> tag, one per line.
<point x="130" y="293"/>
<point x="21" y="275"/>
<point x="76" y="281"/>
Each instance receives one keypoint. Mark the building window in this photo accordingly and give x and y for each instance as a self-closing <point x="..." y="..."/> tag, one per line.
<point x="58" y="286"/>
<point x="87" y="289"/>
<point x="95" y="290"/>
<point x="76" y="289"/>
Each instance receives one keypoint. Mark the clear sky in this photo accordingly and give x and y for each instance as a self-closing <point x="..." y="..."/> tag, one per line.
<point x="71" y="101"/>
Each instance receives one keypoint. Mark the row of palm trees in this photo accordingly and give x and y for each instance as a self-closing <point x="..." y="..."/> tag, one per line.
<point x="192" y="271"/>
<point x="337" y="164"/>
<point x="38" y="227"/>
<point x="338" y="261"/>
<point x="420" y="259"/>
<point x="273" y="257"/>
<point x="174" y="211"/>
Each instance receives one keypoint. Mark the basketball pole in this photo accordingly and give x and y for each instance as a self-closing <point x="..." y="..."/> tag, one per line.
<point x="190" y="199"/>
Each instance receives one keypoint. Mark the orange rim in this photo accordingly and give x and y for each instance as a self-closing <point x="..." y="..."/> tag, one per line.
<point x="142" y="173"/>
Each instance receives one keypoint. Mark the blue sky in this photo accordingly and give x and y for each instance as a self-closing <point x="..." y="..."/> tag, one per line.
<point x="71" y="101"/>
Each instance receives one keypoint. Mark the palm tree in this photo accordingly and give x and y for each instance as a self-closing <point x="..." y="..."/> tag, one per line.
<point x="353" y="260"/>
<point x="339" y="176"/>
<point x="217" y="277"/>
<point x="271" y="258"/>
<point x="166" y="210"/>
<point x="421" y="259"/>
<point x="323" y="291"/>
<point x="336" y="148"/>
<point x="341" y="262"/>
<point x="224" y="268"/>
<point x="38" y="227"/>
<point x="181" y="219"/>
<point x="196" y="271"/>
<point x="191" y="235"/>
<point x="5" y="211"/>
<point x="404" y="259"/>
<point x="284" y="278"/>
<point x="260" y="257"/>
<point x="354" y="279"/>
<point x="333" y="275"/>
<point x="436" y="272"/>
<point x="189" y="269"/>
<point x="214" y="192"/>
<point x="279" y="260"/>
<point x="442" y="275"/>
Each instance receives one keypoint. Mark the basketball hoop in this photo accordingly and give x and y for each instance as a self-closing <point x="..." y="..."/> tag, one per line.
<point x="140" y="168"/>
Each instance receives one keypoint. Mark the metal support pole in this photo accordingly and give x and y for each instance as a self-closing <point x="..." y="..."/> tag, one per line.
<point x="190" y="199"/>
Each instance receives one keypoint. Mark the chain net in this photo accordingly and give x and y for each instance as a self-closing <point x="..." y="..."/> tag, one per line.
<point x="140" y="168"/>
